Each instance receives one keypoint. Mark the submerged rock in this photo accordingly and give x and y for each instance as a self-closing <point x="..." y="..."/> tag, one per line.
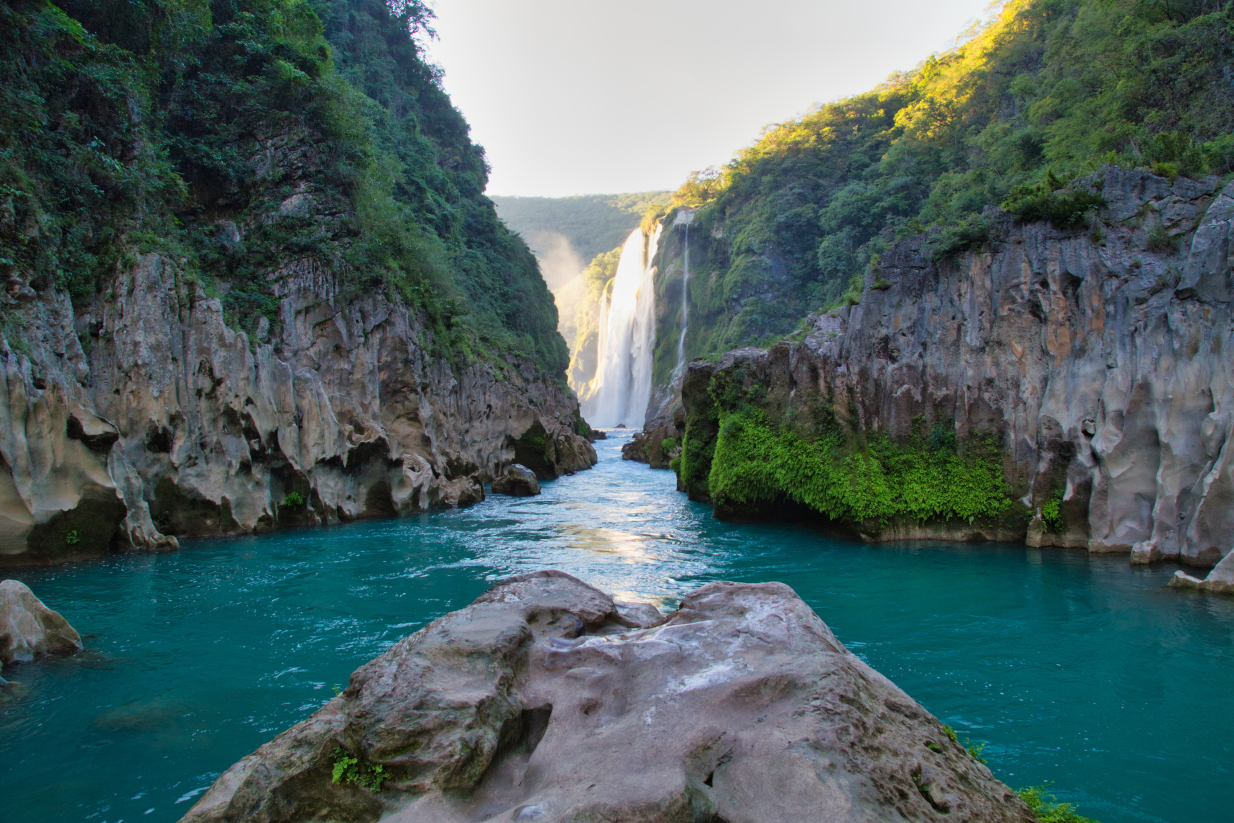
<point x="545" y="700"/>
<point x="28" y="628"/>
<point x="517" y="481"/>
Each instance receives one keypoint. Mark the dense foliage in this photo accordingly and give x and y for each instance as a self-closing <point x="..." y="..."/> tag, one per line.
<point x="244" y="135"/>
<point x="757" y="463"/>
<point x="593" y="223"/>
<point x="1047" y="91"/>
<point x="748" y="452"/>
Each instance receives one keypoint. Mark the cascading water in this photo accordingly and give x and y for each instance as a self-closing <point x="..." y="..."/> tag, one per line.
<point x="621" y="390"/>
<point x="684" y="217"/>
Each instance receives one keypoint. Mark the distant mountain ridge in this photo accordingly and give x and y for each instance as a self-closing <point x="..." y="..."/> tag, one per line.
<point x="593" y="223"/>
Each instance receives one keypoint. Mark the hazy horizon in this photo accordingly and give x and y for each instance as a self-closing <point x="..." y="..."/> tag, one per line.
<point x="583" y="98"/>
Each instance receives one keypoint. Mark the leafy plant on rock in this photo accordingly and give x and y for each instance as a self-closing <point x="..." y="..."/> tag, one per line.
<point x="1048" y="809"/>
<point x="353" y="770"/>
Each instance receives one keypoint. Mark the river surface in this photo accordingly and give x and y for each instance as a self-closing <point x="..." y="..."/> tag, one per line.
<point x="1072" y="668"/>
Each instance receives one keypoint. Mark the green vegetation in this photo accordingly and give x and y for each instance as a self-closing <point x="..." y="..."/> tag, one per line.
<point x="72" y="538"/>
<point x="593" y="223"/>
<point x="1048" y="809"/>
<point x="756" y="463"/>
<point x="238" y="137"/>
<point x="974" y="749"/>
<point x="1048" y="91"/>
<point x="293" y="500"/>
<point x="349" y="769"/>
<point x="1052" y="513"/>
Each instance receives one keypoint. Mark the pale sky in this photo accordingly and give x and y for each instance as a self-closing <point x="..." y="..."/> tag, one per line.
<point x="589" y="97"/>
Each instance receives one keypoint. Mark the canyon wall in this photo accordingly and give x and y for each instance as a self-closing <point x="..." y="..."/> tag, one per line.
<point x="1100" y="358"/>
<point x="143" y="416"/>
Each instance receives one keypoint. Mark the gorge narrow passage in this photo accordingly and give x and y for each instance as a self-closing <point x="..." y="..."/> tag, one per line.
<point x="1101" y="681"/>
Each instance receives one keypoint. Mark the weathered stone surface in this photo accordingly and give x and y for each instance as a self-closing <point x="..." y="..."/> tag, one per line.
<point x="1104" y="365"/>
<point x="28" y="628"/>
<point x="540" y="701"/>
<point x="648" y="446"/>
<point x="517" y="481"/>
<point x="173" y="424"/>
<point x="1219" y="580"/>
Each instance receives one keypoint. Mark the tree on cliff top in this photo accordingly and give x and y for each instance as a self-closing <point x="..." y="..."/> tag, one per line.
<point x="1046" y="85"/>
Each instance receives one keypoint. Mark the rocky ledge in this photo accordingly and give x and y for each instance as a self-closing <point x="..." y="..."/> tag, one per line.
<point x="143" y="417"/>
<point x="546" y="700"/>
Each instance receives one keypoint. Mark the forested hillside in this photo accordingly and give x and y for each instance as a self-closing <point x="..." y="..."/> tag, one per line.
<point x="593" y="223"/>
<point x="1047" y="91"/>
<point x="235" y="135"/>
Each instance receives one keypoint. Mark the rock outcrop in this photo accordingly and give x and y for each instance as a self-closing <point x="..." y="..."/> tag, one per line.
<point x="658" y="443"/>
<point x="143" y="416"/>
<point x="517" y="481"/>
<point x="29" y="629"/>
<point x="1220" y="580"/>
<point x="545" y="700"/>
<point x="1101" y="359"/>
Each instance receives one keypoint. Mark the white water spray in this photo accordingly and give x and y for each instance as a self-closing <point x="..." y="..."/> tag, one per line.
<point x="621" y="390"/>
<point x="684" y="217"/>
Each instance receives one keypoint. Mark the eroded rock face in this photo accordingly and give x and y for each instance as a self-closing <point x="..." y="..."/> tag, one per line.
<point x="545" y="700"/>
<point x="1102" y="359"/>
<point x="173" y="424"/>
<point x="517" y="481"/>
<point x="28" y="628"/>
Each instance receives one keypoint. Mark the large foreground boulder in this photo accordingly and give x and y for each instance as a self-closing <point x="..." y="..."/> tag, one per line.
<point x="544" y="700"/>
<point x="28" y="628"/>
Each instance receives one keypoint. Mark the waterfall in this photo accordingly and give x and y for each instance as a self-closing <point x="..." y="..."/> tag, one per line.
<point x="684" y="217"/>
<point x="621" y="390"/>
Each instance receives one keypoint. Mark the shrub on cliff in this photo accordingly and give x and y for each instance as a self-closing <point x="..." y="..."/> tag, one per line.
<point x="756" y="462"/>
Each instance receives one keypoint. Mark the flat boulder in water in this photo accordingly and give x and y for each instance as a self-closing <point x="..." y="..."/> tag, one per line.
<point x="543" y="701"/>
<point x="28" y="628"/>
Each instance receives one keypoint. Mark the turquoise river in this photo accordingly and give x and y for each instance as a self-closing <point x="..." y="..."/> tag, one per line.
<point x="1074" y="669"/>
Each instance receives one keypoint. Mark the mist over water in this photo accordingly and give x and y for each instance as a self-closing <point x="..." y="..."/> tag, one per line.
<point x="1074" y="668"/>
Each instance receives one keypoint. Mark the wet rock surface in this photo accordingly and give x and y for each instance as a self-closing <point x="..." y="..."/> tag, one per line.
<point x="517" y="481"/>
<point x="29" y="629"/>
<point x="144" y="417"/>
<point x="1101" y="358"/>
<point x="545" y="700"/>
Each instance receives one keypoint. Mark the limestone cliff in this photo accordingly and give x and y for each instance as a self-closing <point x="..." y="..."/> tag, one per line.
<point x="143" y="416"/>
<point x="1100" y="360"/>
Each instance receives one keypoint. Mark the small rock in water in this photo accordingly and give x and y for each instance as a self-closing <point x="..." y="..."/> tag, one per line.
<point x="1220" y="580"/>
<point x="518" y="481"/>
<point x="545" y="699"/>
<point x="29" y="628"/>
